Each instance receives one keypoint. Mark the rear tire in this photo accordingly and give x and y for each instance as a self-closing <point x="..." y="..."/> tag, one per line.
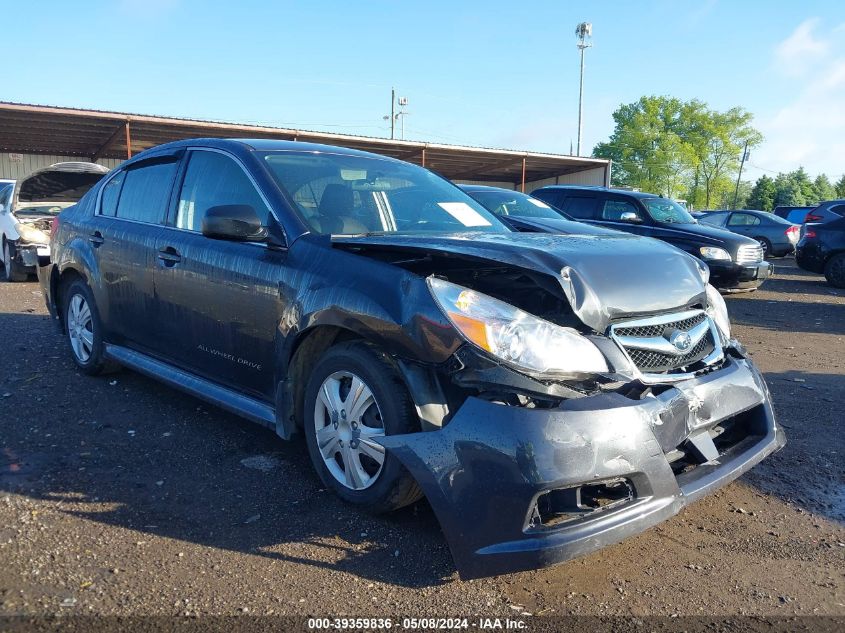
<point x="12" y="271"/>
<point x="354" y="394"/>
<point x="766" y="245"/>
<point x="834" y="271"/>
<point x="83" y="328"/>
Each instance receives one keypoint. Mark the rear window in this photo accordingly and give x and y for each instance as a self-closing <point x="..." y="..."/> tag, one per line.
<point x="145" y="193"/>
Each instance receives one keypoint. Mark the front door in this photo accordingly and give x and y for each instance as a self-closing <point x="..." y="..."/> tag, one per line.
<point x="218" y="301"/>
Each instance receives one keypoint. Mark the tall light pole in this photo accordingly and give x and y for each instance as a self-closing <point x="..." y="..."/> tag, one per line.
<point x="584" y="33"/>
<point x="394" y="115"/>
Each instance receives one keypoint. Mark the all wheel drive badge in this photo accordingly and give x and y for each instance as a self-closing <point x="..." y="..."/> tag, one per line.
<point x="680" y="340"/>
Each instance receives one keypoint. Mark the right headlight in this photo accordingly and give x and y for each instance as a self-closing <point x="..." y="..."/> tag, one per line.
<point x="514" y="336"/>
<point x="31" y="235"/>
<point x="717" y="309"/>
<point x="714" y="253"/>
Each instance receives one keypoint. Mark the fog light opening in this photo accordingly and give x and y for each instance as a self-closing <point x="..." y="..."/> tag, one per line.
<point x="563" y="505"/>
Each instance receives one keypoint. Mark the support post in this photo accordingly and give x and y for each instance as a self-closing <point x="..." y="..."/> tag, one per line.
<point x="523" y="175"/>
<point x="128" y="142"/>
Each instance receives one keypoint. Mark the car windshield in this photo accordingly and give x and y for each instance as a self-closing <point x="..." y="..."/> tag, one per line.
<point x="340" y="194"/>
<point x="41" y="208"/>
<point x="667" y="211"/>
<point x="514" y="203"/>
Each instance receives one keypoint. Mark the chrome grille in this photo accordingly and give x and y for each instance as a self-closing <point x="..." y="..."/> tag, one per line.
<point x="749" y="254"/>
<point x="659" y="329"/>
<point x="649" y="343"/>
<point x="654" y="362"/>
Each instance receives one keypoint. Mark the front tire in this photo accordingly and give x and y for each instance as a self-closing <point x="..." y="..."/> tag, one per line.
<point x="354" y="395"/>
<point x="834" y="271"/>
<point x="83" y="328"/>
<point x="766" y="245"/>
<point x="12" y="271"/>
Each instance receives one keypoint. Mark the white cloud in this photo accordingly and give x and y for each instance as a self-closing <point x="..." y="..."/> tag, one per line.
<point x="809" y="128"/>
<point x="802" y="48"/>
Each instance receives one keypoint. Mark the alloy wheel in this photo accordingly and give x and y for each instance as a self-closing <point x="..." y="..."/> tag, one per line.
<point x="80" y="328"/>
<point x="346" y="420"/>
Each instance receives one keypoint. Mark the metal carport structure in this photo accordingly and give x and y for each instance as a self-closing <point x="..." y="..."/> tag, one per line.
<point x="108" y="137"/>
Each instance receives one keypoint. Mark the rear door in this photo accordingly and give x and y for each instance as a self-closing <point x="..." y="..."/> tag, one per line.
<point x="131" y="211"/>
<point x="218" y="301"/>
<point x="743" y="223"/>
<point x="579" y="205"/>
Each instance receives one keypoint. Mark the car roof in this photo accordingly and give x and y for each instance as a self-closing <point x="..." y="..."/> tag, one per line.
<point x="265" y="145"/>
<point x="627" y="192"/>
<point x="488" y="188"/>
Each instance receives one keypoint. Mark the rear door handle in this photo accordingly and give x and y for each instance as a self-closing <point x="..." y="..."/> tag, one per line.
<point x="169" y="256"/>
<point x="96" y="239"/>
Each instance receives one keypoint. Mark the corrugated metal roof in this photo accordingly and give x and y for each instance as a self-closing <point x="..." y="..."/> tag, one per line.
<point x="39" y="129"/>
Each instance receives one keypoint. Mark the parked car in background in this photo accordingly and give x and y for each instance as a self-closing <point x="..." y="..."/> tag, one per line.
<point x="736" y="262"/>
<point x="822" y="250"/>
<point x="827" y="211"/>
<point x="776" y="236"/>
<point x="527" y="214"/>
<point x="548" y="394"/>
<point x="27" y="209"/>
<point x="796" y="215"/>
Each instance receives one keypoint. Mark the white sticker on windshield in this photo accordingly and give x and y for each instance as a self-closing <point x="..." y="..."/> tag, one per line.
<point x="464" y="213"/>
<point x="538" y="203"/>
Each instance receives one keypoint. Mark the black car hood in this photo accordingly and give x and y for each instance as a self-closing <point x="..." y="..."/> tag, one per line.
<point x="61" y="182"/>
<point x="604" y="277"/>
<point x="555" y="225"/>
<point x="715" y="235"/>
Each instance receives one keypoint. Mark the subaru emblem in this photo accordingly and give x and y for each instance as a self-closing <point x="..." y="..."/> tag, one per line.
<point x="680" y="340"/>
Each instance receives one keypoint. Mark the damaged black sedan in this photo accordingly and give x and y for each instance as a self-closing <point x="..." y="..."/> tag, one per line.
<point x="547" y="394"/>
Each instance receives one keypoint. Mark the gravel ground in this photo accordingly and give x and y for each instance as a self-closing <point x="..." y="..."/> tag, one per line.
<point x="121" y="496"/>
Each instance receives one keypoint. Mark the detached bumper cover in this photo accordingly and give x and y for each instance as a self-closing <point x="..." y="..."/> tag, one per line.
<point x="483" y="472"/>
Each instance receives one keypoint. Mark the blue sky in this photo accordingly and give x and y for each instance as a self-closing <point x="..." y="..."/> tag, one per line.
<point x="494" y="73"/>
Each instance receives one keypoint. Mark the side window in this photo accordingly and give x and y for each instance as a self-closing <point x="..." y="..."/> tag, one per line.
<point x="613" y="210"/>
<point x="838" y="209"/>
<point x="579" y="207"/>
<point x="743" y="219"/>
<point x="213" y="179"/>
<point x="145" y="193"/>
<point x="111" y="193"/>
<point x="549" y="196"/>
<point x="4" y="198"/>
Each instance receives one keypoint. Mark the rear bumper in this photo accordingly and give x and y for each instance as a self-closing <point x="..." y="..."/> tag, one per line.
<point x="731" y="276"/>
<point x="810" y="256"/>
<point x="485" y="471"/>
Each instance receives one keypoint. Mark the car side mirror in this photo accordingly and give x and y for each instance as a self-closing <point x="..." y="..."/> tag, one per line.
<point x="234" y="222"/>
<point x="630" y="216"/>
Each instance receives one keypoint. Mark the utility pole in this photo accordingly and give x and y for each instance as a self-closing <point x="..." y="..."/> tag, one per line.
<point x="745" y="156"/>
<point x="392" y="112"/>
<point x="584" y="33"/>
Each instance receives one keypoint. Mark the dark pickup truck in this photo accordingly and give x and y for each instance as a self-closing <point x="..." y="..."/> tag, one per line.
<point x="548" y="394"/>
<point x="736" y="262"/>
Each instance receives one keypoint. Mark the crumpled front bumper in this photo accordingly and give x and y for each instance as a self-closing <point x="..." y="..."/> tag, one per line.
<point x="484" y="471"/>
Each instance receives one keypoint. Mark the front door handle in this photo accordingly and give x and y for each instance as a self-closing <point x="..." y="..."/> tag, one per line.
<point x="96" y="239"/>
<point x="169" y="256"/>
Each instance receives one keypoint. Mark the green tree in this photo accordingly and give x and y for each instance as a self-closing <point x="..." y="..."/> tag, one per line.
<point x="840" y="187"/>
<point x="677" y="148"/>
<point x="763" y="194"/>
<point x="822" y="189"/>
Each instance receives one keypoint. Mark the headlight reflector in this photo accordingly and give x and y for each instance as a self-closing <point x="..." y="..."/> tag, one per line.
<point x="32" y="235"/>
<point x="711" y="252"/>
<point x="514" y="336"/>
<point x="717" y="309"/>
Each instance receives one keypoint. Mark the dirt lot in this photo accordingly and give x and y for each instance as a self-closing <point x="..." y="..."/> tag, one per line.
<point x="121" y="496"/>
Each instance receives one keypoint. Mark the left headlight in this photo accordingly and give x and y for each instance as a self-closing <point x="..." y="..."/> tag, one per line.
<point x="514" y="336"/>
<point x="718" y="311"/>
<point x="32" y="235"/>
